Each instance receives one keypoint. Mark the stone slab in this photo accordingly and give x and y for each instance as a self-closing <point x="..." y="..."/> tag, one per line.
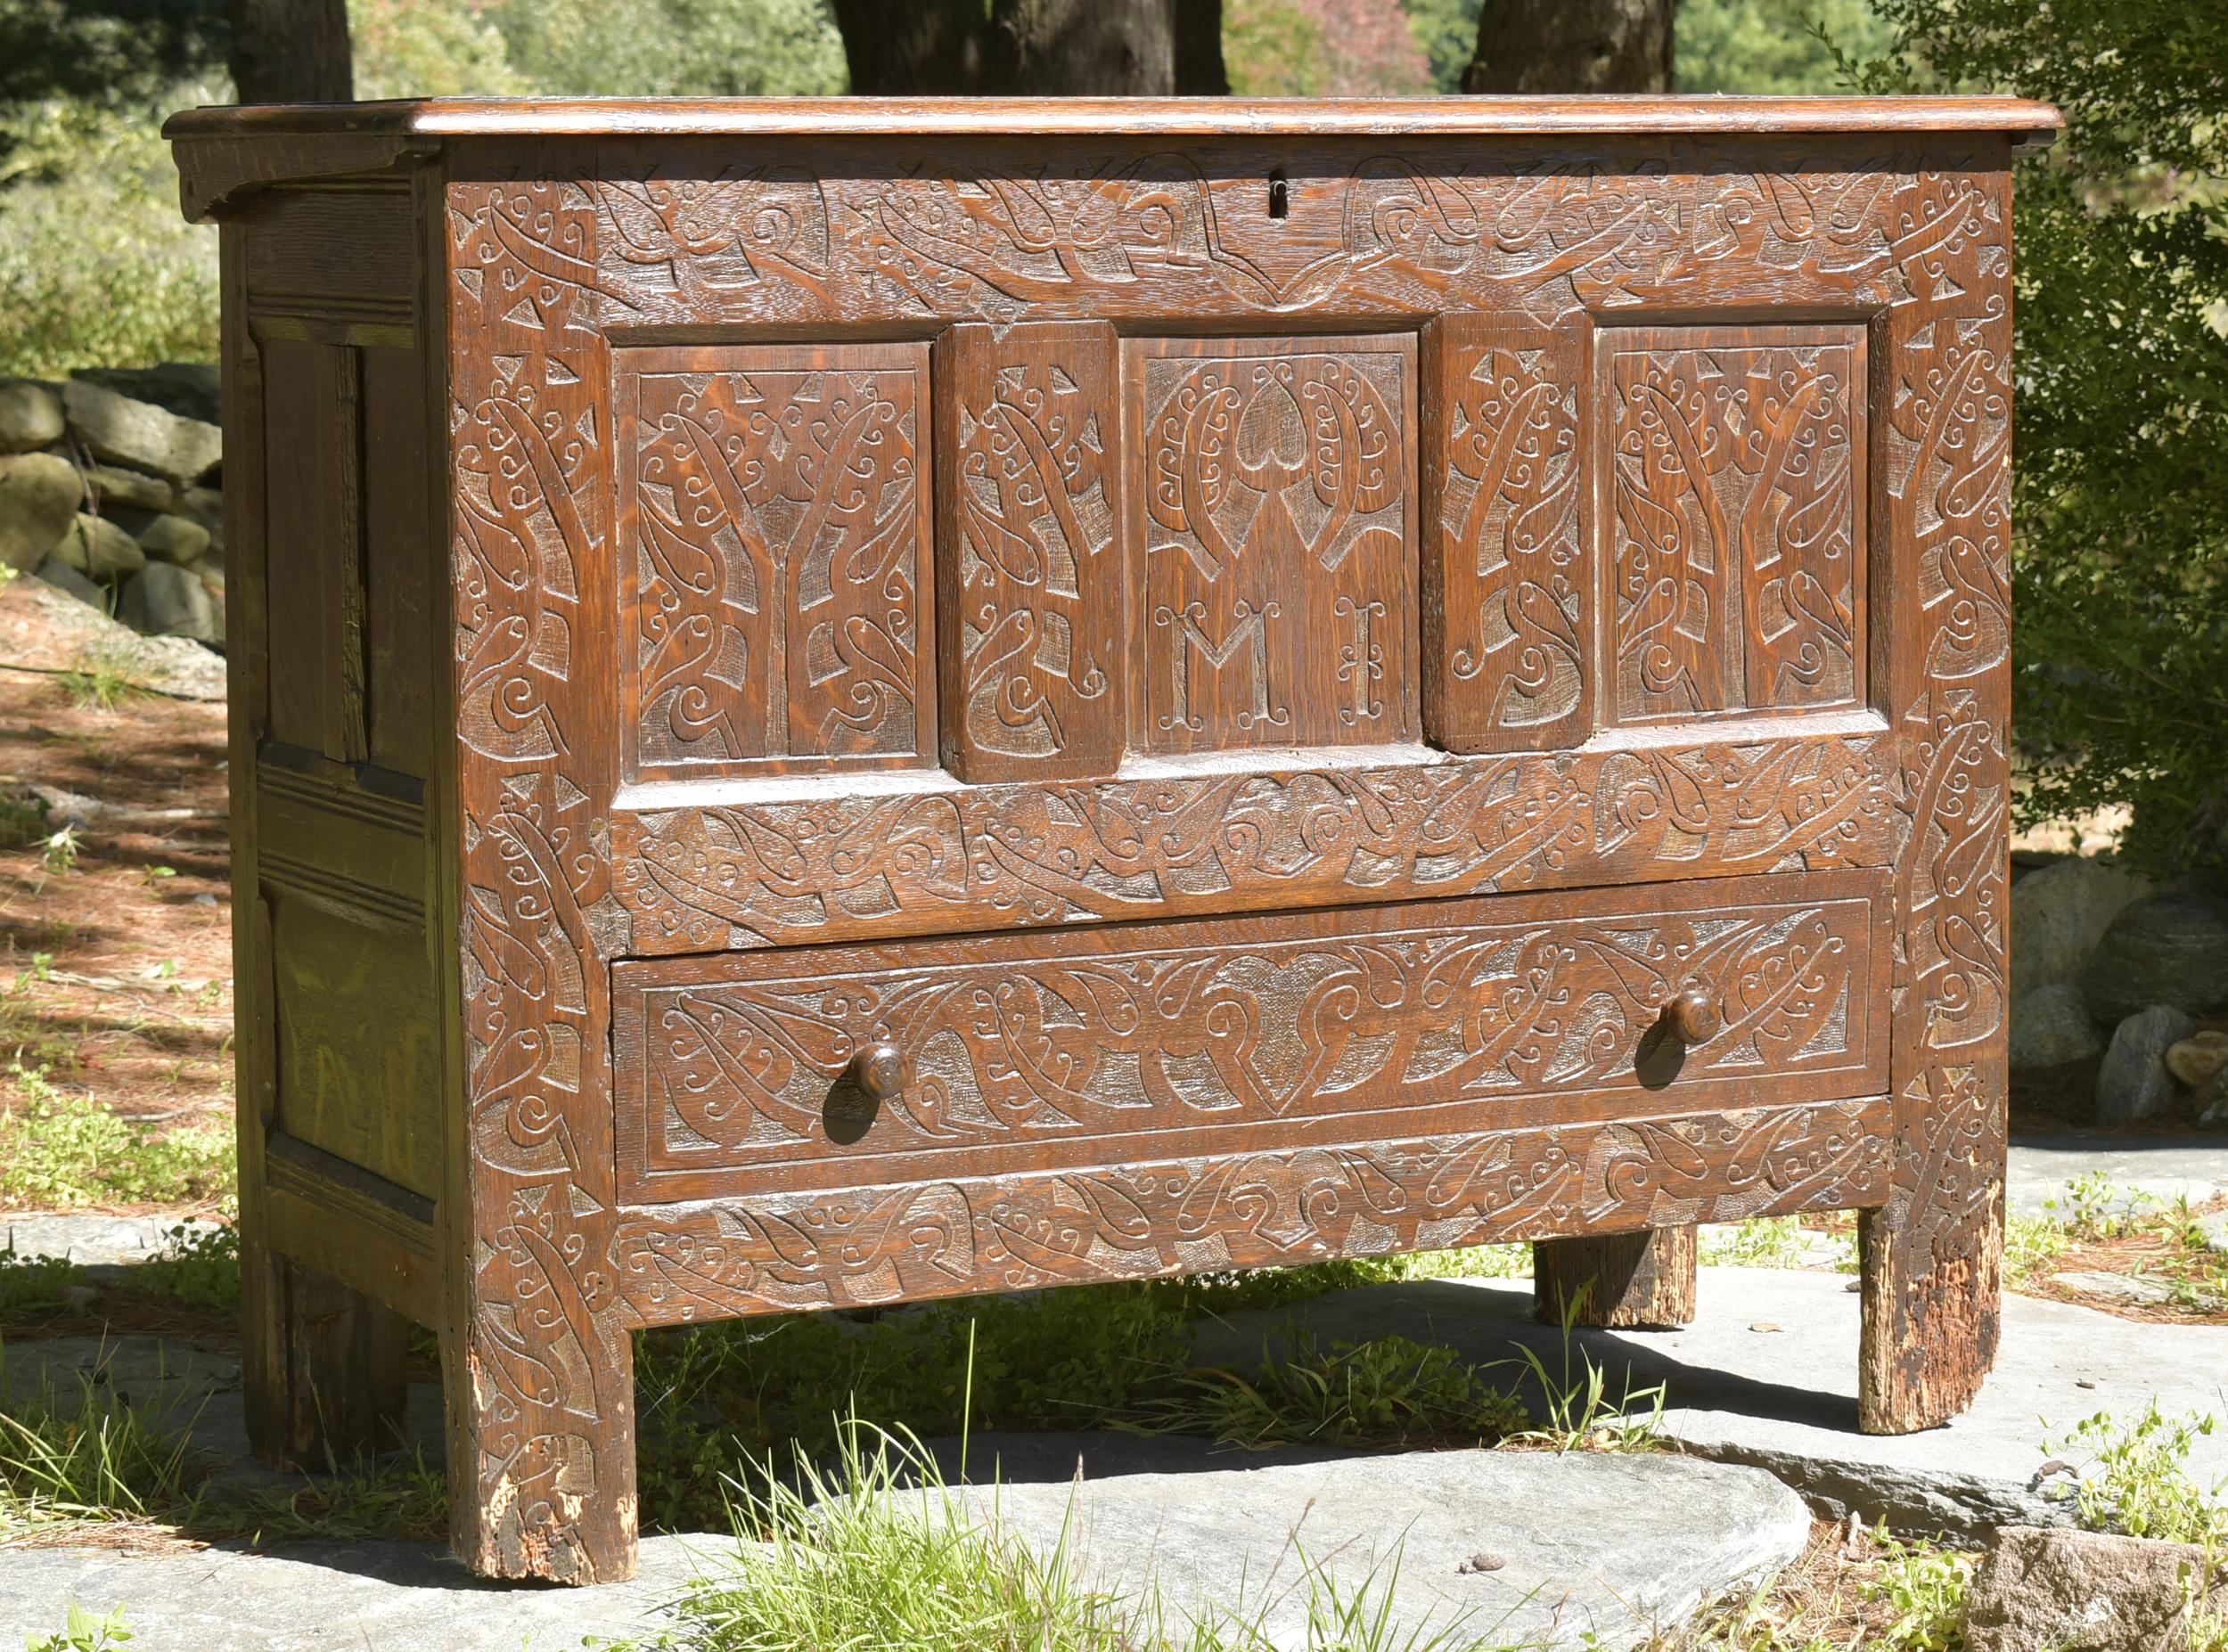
<point x="96" y="1241"/>
<point x="362" y="1597"/>
<point x="1491" y="1548"/>
<point x="2164" y="1165"/>
<point x="1767" y="1375"/>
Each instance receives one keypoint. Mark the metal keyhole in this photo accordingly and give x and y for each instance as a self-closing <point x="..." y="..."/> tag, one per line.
<point x="1280" y="194"/>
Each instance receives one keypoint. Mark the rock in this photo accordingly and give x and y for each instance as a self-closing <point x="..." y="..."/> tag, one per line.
<point x="204" y="507"/>
<point x="2050" y="1027"/>
<point x="1787" y="1403"/>
<point x="94" y="545"/>
<point x="2169" y="948"/>
<point x="2081" y="1591"/>
<point x="2215" y="1230"/>
<point x="2143" y="1290"/>
<point x="39" y="495"/>
<point x="2197" y="1058"/>
<point x="2212" y="1103"/>
<point x="2058" y="914"/>
<point x="1595" y="1549"/>
<point x="2133" y="1082"/>
<point x="173" y="539"/>
<point x="2162" y="1168"/>
<point x="190" y="389"/>
<point x="41" y="626"/>
<point x="30" y="415"/>
<point x="163" y="600"/>
<point x="139" y="434"/>
<point x="60" y="575"/>
<point x="96" y="1240"/>
<point x="113" y="489"/>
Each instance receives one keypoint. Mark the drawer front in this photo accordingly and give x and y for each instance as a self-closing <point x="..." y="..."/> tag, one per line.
<point x="1119" y="1043"/>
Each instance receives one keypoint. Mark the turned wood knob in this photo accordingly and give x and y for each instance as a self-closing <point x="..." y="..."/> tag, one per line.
<point x="878" y="1070"/>
<point x="1692" y="1016"/>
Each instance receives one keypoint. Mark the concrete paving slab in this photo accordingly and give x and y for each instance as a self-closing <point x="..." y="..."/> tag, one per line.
<point x="367" y="1597"/>
<point x="1499" y="1549"/>
<point x="1767" y="1375"/>
<point x="2164" y="1166"/>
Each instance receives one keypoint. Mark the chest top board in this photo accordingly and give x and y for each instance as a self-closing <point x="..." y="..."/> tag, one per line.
<point x="842" y="702"/>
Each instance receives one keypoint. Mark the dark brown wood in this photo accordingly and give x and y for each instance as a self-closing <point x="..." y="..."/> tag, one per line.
<point x="290" y="50"/>
<point x="1031" y="48"/>
<point x="1092" y="692"/>
<point x="1617" y="1281"/>
<point x="1573" y="45"/>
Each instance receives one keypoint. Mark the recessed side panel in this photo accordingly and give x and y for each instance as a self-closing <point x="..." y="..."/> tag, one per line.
<point x="774" y="528"/>
<point x="1507" y="599"/>
<point x="1273" y="597"/>
<point x="1735" y="483"/>
<point x="1236" y="1036"/>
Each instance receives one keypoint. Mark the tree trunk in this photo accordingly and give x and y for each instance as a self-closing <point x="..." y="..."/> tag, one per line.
<point x="1573" y="45"/>
<point x="1038" y="48"/>
<point x="290" y="50"/>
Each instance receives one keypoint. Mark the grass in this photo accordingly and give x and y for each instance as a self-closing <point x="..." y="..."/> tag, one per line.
<point x="61" y="1151"/>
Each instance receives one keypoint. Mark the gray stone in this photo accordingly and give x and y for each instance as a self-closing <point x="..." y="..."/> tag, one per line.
<point x="94" y="545"/>
<point x="2169" y="948"/>
<point x="116" y="489"/>
<point x="190" y="389"/>
<point x="2161" y="1168"/>
<point x="30" y="415"/>
<point x="39" y="495"/>
<point x="49" y="629"/>
<point x="2051" y="1028"/>
<point x="1786" y="1400"/>
<point x="2134" y="1083"/>
<point x="2212" y="1103"/>
<point x="2198" y="1059"/>
<point x="2215" y="1230"/>
<point x="335" y="1596"/>
<point x="60" y="575"/>
<point x="162" y="600"/>
<point x="205" y="507"/>
<point x="2059" y="911"/>
<point x="1614" y="1548"/>
<point x="173" y="539"/>
<point x="2081" y="1591"/>
<point x="96" y="1240"/>
<point x="2142" y="1290"/>
<point x="139" y="434"/>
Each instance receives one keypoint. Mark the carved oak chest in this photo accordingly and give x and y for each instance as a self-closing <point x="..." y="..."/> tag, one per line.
<point x="844" y="702"/>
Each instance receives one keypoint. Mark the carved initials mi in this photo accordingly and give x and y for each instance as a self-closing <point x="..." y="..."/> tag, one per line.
<point x="1247" y="634"/>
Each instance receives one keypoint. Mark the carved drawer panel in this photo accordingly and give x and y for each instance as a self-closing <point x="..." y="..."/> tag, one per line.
<point x="1025" y="1051"/>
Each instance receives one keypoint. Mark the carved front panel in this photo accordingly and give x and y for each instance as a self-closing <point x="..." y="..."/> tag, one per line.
<point x="776" y="521"/>
<point x="1276" y="596"/>
<point x="1736" y="469"/>
<point x="1237" y="1036"/>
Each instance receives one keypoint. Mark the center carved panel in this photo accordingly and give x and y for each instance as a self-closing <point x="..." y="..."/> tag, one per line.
<point x="1277" y="519"/>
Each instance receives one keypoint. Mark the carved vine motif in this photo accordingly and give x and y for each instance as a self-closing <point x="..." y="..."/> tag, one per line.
<point x="776" y="538"/>
<point x="1735" y="555"/>
<point x="942" y="1238"/>
<point x="981" y="857"/>
<point x="1276" y="487"/>
<point x="1516" y="588"/>
<point x="548" y="1358"/>
<point x="1110" y="1041"/>
<point x="1035" y="502"/>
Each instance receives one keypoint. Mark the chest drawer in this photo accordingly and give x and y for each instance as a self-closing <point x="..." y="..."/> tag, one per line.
<point x="1033" y="1052"/>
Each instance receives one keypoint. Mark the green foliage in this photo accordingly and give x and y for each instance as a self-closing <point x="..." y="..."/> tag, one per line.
<point x="1326" y="48"/>
<point x="1579" y="1414"/>
<point x="2137" y="1478"/>
<point x="87" y="1457"/>
<point x="1772" y="46"/>
<point x="2121" y="509"/>
<point x="769" y="48"/>
<point x="1447" y="32"/>
<point x="58" y="1151"/>
<point x="1925" y="1588"/>
<point x="84" y="1633"/>
<point x="196" y="1265"/>
<point x="1386" y="1393"/>
<point x="31" y="1287"/>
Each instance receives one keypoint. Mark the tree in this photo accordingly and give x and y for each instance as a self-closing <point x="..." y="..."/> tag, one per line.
<point x="1573" y="45"/>
<point x="290" y="50"/>
<point x="1047" y="48"/>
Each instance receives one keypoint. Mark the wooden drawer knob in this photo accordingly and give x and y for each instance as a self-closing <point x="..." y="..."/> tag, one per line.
<point x="1692" y="1017"/>
<point x="878" y="1070"/>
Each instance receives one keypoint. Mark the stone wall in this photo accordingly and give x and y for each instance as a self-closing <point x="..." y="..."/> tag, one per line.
<point x="110" y="490"/>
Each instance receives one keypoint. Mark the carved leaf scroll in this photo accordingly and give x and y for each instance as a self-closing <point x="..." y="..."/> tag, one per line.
<point x="778" y="529"/>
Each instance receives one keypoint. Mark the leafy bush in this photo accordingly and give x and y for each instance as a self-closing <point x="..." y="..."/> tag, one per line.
<point x="2121" y="508"/>
<point x="59" y="1150"/>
